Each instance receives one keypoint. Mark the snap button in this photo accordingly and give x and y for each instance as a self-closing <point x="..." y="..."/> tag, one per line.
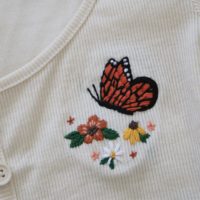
<point x="5" y="174"/>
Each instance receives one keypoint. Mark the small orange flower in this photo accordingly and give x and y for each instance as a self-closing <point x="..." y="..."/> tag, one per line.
<point x="133" y="154"/>
<point x="70" y="120"/>
<point x="151" y="126"/>
<point x="95" y="155"/>
<point x="93" y="129"/>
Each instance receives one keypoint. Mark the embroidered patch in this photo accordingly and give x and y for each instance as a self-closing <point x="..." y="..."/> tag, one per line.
<point x="111" y="155"/>
<point x="120" y="92"/>
<point x="134" y="133"/>
<point x="94" y="129"/>
<point x="70" y="120"/>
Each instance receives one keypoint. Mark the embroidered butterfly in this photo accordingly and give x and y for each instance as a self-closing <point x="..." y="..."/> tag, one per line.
<point x="119" y="91"/>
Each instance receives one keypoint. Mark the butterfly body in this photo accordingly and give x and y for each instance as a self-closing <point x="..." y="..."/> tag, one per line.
<point x="119" y="91"/>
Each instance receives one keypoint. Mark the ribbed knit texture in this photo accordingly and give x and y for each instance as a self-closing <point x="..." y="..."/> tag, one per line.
<point x="196" y="4"/>
<point x="161" y="39"/>
<point x="6" y="192"/>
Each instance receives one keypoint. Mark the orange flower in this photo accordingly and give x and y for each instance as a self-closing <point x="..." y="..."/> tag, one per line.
<point x="151" y="126"/>
<point x="93" y="129"/>
<point x="95" y="155"/>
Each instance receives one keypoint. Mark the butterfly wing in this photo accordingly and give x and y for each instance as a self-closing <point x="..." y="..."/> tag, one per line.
<point x="120" y="92"/>
<point x="144" y="94"/>
<point x="115" y="80"/>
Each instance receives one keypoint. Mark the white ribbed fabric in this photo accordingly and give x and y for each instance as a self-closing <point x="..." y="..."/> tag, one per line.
<point x="7" y="192"/>
<point x="161" y="39"/>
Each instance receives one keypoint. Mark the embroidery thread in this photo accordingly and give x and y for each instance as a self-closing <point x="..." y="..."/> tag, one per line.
<point x="70" y="120"/>
<point x="133" y="154"/>
<point x="111" y="155"/>
<point x="120" y="92"/>
<point x="151" y="126"/>
<point x="95" y="155"/>
<point x="134" y="133"/>
<point x="94" y="129"/>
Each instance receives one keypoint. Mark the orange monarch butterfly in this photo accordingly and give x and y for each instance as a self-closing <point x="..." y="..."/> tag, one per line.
<point x="119" y="91"/>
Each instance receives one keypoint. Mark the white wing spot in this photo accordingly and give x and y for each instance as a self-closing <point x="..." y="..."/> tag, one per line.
<point x="114" y="63"/>
<point x="125" y="70"/>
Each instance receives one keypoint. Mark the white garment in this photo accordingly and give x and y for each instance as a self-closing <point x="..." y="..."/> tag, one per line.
<point x="160" y="38"/>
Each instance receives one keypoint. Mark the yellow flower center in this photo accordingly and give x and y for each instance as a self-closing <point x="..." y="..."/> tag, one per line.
<point x="113" y="154"/>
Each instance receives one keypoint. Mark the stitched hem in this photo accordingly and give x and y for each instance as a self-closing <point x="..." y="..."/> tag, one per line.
<point x="51" y="51"/>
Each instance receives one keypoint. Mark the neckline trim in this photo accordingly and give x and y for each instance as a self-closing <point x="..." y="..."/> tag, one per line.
<point x="40" y="61"/>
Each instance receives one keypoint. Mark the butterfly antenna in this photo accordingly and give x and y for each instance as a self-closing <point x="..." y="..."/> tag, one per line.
<point x="95" y="98"/>
<point x="96" y="91"/>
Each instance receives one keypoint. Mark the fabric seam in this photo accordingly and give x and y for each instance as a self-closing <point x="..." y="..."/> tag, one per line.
<point x="61" y="41"/>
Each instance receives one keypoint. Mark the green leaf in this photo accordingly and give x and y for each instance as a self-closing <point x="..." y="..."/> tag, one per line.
<point x="72" y="135"/>
<point x="110" y="134"/>
<point x="144" y="137"/>
<point x="112" y="165"/>
<point x="76" y="138"/>
<point x="104" y="161"/>
<point x="77" y="141"/>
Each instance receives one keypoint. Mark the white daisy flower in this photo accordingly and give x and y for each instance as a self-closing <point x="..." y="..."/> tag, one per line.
<point x="111" y="155"/>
